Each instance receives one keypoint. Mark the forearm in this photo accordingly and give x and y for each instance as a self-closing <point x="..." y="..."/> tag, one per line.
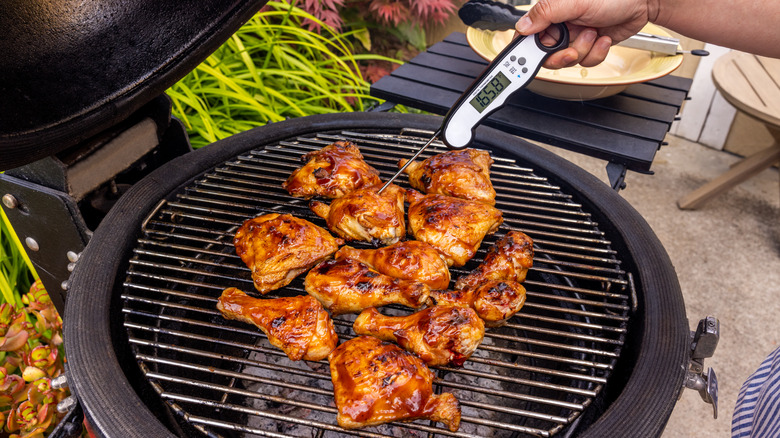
<point x="747" y="25"/>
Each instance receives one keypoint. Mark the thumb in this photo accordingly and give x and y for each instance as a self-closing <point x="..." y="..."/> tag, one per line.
<point x="542" y="15"/>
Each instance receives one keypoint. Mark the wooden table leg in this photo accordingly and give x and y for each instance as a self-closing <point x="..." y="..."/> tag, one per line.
<point x="742" y="171"/>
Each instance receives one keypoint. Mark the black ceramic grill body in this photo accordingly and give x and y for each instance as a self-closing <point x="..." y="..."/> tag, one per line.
<point x="72" y="69"/>
<point x="117" y="401"/>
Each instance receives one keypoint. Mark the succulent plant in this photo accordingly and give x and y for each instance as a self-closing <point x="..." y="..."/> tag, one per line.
<point x="30" y="343"/>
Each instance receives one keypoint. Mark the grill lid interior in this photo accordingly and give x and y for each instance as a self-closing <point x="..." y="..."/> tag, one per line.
<point x="535" y="376"/>
<point x="72" y="69"/>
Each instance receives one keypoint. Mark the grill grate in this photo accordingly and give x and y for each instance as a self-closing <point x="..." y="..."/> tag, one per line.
<point x="534" y="376"/>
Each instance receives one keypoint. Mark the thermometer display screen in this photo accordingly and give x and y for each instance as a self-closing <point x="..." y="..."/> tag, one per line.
<point x="495" y="86"/>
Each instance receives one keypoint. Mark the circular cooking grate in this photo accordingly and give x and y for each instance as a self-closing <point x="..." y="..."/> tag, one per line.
<point x="534" y="376"/>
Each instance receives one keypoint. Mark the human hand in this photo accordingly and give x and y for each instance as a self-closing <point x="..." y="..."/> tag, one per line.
<point x="594" y="25"/>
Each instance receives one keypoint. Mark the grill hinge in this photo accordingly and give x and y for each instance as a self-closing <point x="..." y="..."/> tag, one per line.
<point x="703" y="343"/>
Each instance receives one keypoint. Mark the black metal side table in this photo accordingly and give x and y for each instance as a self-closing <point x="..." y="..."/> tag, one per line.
<point x="626" y="130"/>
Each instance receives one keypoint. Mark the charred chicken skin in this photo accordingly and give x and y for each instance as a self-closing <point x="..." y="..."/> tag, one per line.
<point x="279" y="247"/>
<point x="410" y="260"/>
<point x="495" y="301"/>
<point x="366" y="215"/>
<point x="298" y="325"/>
<point x="440" y="335"/>
<point x="462" y="174"/>
<point x="349" y="286"/>
<point x="508" y="259"/>
<point x="331" y="172"/>
<point x="453" y="226"/>
<point x="377" y="382"/>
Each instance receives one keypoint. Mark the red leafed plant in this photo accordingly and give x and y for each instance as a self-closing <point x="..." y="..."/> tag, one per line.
<point x="326" y="11"/>
<point x="382" y="12"/>
<point x="391" y="28"/>
<point x="31" y="356"/>
<point x="419" y="12"/>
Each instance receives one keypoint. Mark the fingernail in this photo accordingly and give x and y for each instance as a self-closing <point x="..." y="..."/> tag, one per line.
<point x="523" y="24"/>
<point x="568" y="59"/>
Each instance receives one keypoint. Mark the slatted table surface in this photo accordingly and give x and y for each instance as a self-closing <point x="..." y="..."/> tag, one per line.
<point x="626" y="129"/>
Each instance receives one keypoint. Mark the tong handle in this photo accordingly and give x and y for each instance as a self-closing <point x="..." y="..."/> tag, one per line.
<point x="489" y="15"/>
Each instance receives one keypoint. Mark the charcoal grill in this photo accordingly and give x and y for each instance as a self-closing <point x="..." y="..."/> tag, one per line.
<point x="603" y="327"/>
<point x="602" y="347"/>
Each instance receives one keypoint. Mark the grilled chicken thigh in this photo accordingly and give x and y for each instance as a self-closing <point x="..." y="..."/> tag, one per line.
<point x="462" y="174"/>
<point x="495" y="301"/>
<point x="376" y="382"/>
<point x="348" y="286"/>
<point x="440" y="335"/>
<point x="298" y="325"/>
<point x="331" y="172"/>
<point x="366" y="215"/>
<point x="508" y="259"/>
<point x="278" y="247"/>
<point x="410" y="260"/>
<point x="453" y="226"/>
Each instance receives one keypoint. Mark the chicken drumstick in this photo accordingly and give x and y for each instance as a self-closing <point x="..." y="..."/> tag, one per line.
<point x="297" y="325"/>
<point x="440" y="335"/>
<point x="410" y="260"/>
<point x="376" y="382"/>
<point x="348" y="286"/>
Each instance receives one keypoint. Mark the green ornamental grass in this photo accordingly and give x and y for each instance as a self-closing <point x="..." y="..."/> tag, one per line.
<point x="15" y="267"/>
<point x="270" y="70"/>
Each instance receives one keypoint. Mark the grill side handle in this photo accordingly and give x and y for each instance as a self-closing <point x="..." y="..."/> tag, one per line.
<point x="703" y="343"/>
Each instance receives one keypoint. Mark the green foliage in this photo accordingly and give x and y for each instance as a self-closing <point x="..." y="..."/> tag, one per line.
<point x="31" y="352"/>
<point x="31" y="355"/>
<point x="15" y="274"/>
<point x="271" y="69"/>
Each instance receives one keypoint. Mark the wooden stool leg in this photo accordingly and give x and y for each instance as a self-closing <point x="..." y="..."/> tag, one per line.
<point x="745" y="169"/>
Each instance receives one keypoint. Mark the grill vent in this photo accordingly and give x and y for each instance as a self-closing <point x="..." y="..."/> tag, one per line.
<point x="532" y="377"/>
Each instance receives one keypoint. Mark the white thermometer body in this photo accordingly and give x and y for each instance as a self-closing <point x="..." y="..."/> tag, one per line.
<point x="510" y="71"/>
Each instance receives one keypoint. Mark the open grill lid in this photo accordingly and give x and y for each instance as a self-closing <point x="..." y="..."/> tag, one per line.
<point x="72" y="69"/>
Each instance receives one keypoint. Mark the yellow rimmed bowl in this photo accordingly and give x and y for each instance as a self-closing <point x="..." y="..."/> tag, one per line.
<point x="623" y="67"/>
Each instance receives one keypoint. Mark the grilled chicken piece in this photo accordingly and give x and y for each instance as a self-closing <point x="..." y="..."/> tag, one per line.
<point x="277" y="247"/>
<point x="495" y="300"/>
<point x="348" y="286"/>
<point x="440" y="335"/>
<point x="366" y="215"/>
<point x="298" y="325"/>
<point x="462" y="174"/>
<point x="410" y="260"/>
<point x="376" y="382"/>
<point x="453" y="226"/>
<point x="332" y="172"/>
<point x="508" y="259"/>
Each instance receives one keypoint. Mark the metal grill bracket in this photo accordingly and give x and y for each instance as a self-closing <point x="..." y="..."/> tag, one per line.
<point x="703" y="344"/>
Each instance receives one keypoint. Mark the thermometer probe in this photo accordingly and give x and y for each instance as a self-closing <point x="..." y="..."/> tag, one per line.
<point x="510" y="71"/>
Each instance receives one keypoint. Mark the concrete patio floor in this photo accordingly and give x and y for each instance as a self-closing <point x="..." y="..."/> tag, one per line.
<point x="727" y="258"/>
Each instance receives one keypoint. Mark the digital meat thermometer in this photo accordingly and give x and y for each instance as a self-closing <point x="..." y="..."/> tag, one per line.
<point x="510" y="71"/>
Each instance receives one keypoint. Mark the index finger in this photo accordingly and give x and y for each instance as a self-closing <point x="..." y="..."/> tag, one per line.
<point x="545" y="13"/>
